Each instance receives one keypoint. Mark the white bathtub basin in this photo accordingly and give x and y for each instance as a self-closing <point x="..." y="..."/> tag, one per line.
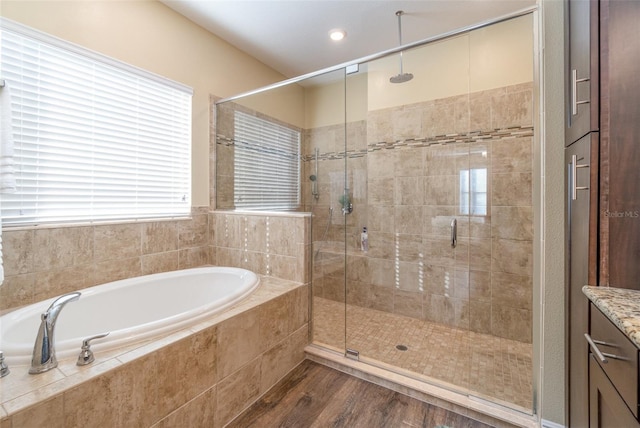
<point x="131" y="310"/>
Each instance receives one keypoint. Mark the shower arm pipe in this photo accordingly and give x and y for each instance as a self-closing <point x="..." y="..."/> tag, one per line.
<point x="399" y="14"/>
<point x="383" y="54"/>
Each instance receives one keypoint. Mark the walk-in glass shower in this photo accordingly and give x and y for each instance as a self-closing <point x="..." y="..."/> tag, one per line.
<point x="421" y="199"/>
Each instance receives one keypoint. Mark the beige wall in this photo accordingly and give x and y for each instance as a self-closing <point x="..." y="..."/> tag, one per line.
<point x="149" y="35"/>
<point x="484" y="59"/>
<point x="551" y="270"/>
<point x="285" y="103"/>
<point x="487" y="58"/>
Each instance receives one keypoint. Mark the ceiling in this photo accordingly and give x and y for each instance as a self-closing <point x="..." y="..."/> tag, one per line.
<point x="292" y="36"/>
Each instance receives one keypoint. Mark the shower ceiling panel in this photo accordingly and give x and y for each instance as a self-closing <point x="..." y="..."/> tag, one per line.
<point x="292" y="36"/>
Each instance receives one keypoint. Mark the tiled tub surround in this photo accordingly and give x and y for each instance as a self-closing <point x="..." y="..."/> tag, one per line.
<point x="273" y="244"/>
<point x="201" y="376"/>
<point x="403" y="170"/>
<point x="44" y="262"/>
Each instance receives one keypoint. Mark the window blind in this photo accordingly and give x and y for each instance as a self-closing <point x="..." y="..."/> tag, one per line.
<point x="266" y="164"/>
<point x="94" y="139"/>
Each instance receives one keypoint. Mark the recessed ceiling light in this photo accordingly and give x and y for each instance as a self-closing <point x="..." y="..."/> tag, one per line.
<point x="337" y="34"/>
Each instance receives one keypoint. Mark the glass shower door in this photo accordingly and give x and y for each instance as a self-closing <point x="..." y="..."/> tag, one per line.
<point x="324" y="196"/>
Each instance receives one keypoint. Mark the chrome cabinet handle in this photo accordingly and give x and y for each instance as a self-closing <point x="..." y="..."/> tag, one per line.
<point x="454" y="233"/>
<point x="595" y="349"/>
<point x="602" y="356"/>
<point x="574" y="91"/>
<point x="574" y="177"/>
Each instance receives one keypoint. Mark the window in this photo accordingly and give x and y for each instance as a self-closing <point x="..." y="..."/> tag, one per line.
<point x="473" y="191"/>
<point x="94" y="139"/>
<point x="266" y="164"/>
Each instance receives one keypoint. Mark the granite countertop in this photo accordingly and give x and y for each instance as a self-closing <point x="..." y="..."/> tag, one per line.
<point x="621" y="306"/>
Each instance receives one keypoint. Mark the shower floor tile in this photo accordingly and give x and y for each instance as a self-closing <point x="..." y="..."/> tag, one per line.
<point x="490" y="367"/>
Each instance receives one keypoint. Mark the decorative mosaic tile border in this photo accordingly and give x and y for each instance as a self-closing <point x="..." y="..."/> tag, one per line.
<point x="466" y="138"/>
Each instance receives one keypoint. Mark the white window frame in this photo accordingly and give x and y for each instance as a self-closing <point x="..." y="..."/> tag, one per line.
<point x="95" y="139"/>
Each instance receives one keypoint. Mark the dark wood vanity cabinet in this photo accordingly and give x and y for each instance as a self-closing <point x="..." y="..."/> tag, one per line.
<point x="582" y="76"/>
<point x="613" y="375"/>
<point x="603" y="189"/>
<point x="620" y="143"/>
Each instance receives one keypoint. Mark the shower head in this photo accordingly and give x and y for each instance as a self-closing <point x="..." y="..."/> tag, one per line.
<point x="312" y="177"/>
<point x="401" y="78"/>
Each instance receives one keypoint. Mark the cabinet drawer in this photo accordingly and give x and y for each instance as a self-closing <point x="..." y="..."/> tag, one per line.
<point x="622" y="357"/>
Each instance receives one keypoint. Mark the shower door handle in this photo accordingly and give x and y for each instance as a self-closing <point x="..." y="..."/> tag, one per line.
<point x="454" y="233"/>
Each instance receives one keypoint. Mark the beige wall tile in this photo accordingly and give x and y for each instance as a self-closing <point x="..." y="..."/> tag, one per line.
<point x="284" y="235"/>
<point x="193" y="233"/>
<point x="381" y="298"/>
<point x="515" y="291"/>
<point x="118" y="241"/>
<point x="406" y="122"/>
<point x="512" y="109"/>
<point x="512" y="256"/>
<point x="62" y="248"/>
<point x="381" y="218"/>
<point x="512" y="223"/>
<point x="56" y="282"/>
<point x="18" y="253"/>
<point x="193" y="257"/>
<point x="298" y="304"/>
<point x="126" y="396"/>
<point x="17" y="290"/>
<point x="159" y="237"/>
<point x="189" y="368"/>
<point x="409" y="191"/>
<point x="480" y="317"/>
<point x="510" y="323"/>
<point x="407" y="303"/>
<point x="237" y="391"/>
<point x="514" y="189"/>
<point x="49" y="413"/>
<point x="113" y="270"/>
<point x="381" y="191"/>
<point x="409" y="162"/>
<point x="480" y="286"/>
<point x="440" y="309"/>
<point x="197" y="413"/>
<point x="440" y="190"/>
<point x="285" y="267"/>
<point x="282" y="358"/>
<point x="273" y="322"/>
<point x="358" y="293"/>
<point x="238" y="342"/>
<point x="160" y="262"/>
<point x="512" y="155"/>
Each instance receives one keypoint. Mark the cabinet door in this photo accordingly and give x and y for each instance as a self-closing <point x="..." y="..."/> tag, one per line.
<point x="582" y="73"/>
<point x="580" y="166"/>
<point x="606" y="408"/>
<point x="620" y="181"/>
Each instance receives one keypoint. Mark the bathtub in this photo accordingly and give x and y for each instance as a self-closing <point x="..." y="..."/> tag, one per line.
<point x="131" y="310"/>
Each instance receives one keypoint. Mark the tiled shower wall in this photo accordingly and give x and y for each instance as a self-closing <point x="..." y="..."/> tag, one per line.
<point x="406" y="190"/>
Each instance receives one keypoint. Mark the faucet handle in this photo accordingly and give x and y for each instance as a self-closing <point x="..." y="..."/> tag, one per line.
<point x="4" y="369"/>
<point x="86" y="354"/>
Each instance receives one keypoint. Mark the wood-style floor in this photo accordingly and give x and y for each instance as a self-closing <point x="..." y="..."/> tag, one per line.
<point x="313" y="395"/>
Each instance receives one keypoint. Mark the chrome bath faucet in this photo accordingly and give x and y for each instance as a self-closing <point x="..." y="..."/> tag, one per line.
<point x="44" y="352"/>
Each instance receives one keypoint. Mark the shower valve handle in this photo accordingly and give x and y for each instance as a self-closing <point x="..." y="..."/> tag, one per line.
<point x="454" y="233"/>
